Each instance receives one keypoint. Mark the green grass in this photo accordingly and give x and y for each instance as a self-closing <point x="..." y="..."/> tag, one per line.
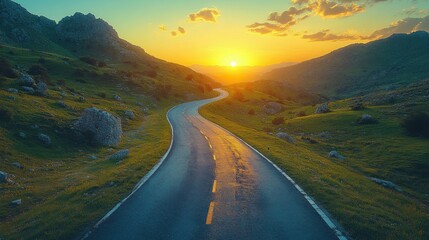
<point x="364" y="209"/>
<point x="63" y="191"/>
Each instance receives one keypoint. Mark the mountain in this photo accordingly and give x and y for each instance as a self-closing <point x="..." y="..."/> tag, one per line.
<point x="230" y="75"/>
<point x="361" y="68"/>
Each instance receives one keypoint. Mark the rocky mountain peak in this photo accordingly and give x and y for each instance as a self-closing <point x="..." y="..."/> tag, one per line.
<point x="81" y="27"/>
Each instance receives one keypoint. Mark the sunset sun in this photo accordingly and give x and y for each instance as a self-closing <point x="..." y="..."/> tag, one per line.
<point x="233" y="64"/>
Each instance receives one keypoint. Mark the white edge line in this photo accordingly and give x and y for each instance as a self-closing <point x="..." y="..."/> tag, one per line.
<point x="140" y="183"/>
<point x="322" y="214"/>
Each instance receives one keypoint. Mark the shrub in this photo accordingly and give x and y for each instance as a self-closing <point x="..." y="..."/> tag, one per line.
<point x="102" y="94"/>
<point x="238" y="95"/>
<point x="37" y="69"/>
<point x="301" y="114"/>
<point x="5" y="115"/>
<point x="6" y="69"/>
<point x="417" y="124"/>
<point x="251" y="112"/>
<point x="278" y="120"/>
<point x="89" y="60"/>
<point x="356" y="106"/>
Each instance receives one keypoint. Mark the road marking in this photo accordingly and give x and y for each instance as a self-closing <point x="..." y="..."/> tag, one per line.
<point x="209" y="218"/>
<point x="214" y="186"/>
<point x="214" y="157"/>
<point x="202" y="132"/>
<point x="206" y="137"/>
<point x="210" y="146"/>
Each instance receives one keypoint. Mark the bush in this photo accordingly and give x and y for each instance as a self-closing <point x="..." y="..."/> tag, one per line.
<point x="301" y="114"/>
<point x="251" y="112"/>
<point x="5" y="115"/>
<point x="89" y="60"/>
<point x="278" y="120"/>
<point x="102" y="94"/>
<point x="356" y="106"/>
<point x="37" y="69"/>
<point x="417" y="124"/>
<point x="6" y="69"/>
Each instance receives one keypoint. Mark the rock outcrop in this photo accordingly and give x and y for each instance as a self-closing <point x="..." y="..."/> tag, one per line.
<point x="120" y="155"/>
<point x="129" y="114"/>
<point x="272" y="108"/>
<point x="335" y="154"/>
<point x="44" y="139"/>
<point x="102" y="127"/>
<point x="322" y="108"/>
<point x="366" y="119"/>
<point x="285" y="136"/>
<point x="42" y="88"/>
<point x="3" y="177"/>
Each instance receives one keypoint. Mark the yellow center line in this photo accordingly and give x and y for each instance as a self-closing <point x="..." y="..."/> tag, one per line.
<point x="214" y="157"/>
<point x="210" y="146"/>
<point x="209" y="218"/>
<point x="206" y="137"/>
<point x="214" y="186"/>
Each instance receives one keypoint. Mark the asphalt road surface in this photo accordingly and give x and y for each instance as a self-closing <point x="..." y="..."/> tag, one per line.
<point x="212" y="186"/>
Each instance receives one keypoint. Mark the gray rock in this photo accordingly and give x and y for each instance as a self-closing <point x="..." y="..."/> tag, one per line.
<point x="366" y="119"/>
<point x="3" y="177"/>
<point x="26" y="80"/>
<point x="63" y="94"/>
<point x="272" y="108"/>
<point x="28" y="90"/>
<point x="22" y="135"/>
<point x="81" y="99"/>
<point x="12" y="90"/>
<point x="42" y="88"/>
<point x="322" y="108"/>
<point x="117" y="98"/>
<point x="120" y="155"/>
<point x="104" y="128"/>
<point x="16" y="202"/>
<point x="335" y="154"/>
<point x="17" y="165"/>
<point x="44" y="139"/>
<point x="93" y="157"/>
<point x="62" y="104"/>
<point x="130" y="114"/>
<point x="386" y="184"/>
<point x="285" y="136"/>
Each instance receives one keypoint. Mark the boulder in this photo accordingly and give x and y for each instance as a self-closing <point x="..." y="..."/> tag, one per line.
<point x="3" y="177"/>
<point x="28" y="90"/>
<point x="44" y="139"/>
<point x="102" y="127"/>
<point x="12" y="90"/>
<point x="16" y="202"/>
<point x="120" y="155"/>
<point x="386" y="184"/>
<point x="272" y="108"/>
<point x="22" y="135"/>
<point x="17" y="165"/>
<point x="322" y="108"/>
<point x="26" y="80"/>
<point x="42" y="88"/>
<point x="366" y="119"/>
<point x="285" y="136"/>
<point x="335" y="154"/>
<point x="117" y="98"/>
<point x="129" y="114"/>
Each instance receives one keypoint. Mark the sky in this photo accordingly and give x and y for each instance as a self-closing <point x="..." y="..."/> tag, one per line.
<point x="250" y="33"/>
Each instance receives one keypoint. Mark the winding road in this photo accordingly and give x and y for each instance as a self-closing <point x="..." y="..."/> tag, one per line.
<point x="211" y="185"/>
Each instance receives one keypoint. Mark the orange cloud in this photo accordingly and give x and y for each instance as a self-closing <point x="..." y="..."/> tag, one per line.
<point x="181" y="30"/>
<point x="332" y="9"/>
<point x="205" y="15"/>
<point x="325" y="35"/>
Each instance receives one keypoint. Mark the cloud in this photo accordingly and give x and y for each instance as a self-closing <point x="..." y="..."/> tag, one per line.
<point x="205" y="15"/>
<point x="279" y="23"/>
<point x="181" y="30"/>
<point x="407" y="25"/>
<point x="325" y="35"/>
<point x="332" y="9"/>
<point x="173" y="33"/>
<point x="162" y="28"/>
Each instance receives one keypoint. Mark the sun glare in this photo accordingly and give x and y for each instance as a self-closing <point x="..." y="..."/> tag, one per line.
<point x="233" y="64"/>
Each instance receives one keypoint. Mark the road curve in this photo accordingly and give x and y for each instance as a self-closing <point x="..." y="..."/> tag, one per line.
<point x="213" y="186"/>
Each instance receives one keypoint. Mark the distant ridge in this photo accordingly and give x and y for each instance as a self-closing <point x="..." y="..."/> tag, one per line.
<point x="361" y="68"/>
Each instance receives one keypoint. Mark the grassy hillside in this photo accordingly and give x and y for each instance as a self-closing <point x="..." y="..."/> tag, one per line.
<point x="69" y="185"/>
<point x="362" y="68"/>
<point x="383" y="150"/>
